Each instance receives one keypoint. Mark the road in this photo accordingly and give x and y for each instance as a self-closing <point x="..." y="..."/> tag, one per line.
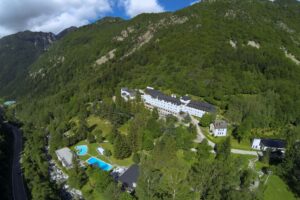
<point x="18" y="187"/>
<point x="201" y="136"/>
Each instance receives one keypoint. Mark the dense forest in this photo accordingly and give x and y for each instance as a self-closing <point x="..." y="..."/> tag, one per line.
<point x="242" y="56"/>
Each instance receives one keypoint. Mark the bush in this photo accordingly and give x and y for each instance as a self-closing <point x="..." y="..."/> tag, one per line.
<point x="206" y="120"/>
<point x="91" y="138"/>
<point x="148" y="144"/>
<point x="121" y="147"/>
<point x="99" y="135"/>
<point x="136" y="158"/>
<point x="107" y="153"/>
<point x="187" y="119"/>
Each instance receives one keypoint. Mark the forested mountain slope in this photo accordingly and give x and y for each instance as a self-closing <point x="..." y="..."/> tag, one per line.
<point x="17" y="53"/>
<point x="240" y="55"/>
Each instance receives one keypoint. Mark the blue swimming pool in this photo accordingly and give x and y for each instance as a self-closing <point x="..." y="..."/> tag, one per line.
<point x="99" y="163"/>
<point x="81" y="150"/>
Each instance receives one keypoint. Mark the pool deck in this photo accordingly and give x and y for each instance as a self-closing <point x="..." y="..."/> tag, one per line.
<point x="86" y="153"/>
<point x="93" y="157"/>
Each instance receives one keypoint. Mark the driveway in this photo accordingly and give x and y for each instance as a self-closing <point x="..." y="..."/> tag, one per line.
<point x="201" y="136"/>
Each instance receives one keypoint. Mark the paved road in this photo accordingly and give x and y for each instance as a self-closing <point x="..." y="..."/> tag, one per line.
<point x="201" y="136"/>
<point x="18" y="188"/>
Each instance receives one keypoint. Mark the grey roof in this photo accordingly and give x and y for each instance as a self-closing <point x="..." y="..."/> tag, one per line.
<point x="161" y="96"/>
<point x="202" y="106"/>
<point x="131" y="92"/>
<point x="185" y="98"/>
<point x="66" y="155"/>
<point x="272" y="143"/>
<point x="130" y="176"/>
<point x="220" y="124"/>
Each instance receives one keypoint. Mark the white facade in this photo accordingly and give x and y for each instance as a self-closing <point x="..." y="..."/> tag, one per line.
<point x="220" y="132"/>
<point x="170" y="105"/>
<point x="218" y="128"/>
<point x="163" y="106"/>
<point x="193" y="111"/>
<point x="256" y="144"/>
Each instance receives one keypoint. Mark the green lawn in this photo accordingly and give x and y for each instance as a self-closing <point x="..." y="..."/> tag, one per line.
<point x="259" y="165"/>
<point x="92" y="194"/>
<point x="125" y="162"/>
<point x="244" y="145"/>
<point x="216" y="140"/>
<point x="276" y="189"/>
<point x="245" y="159"/>
<point x="124" y="129"/>
<point x="97" y="122"/>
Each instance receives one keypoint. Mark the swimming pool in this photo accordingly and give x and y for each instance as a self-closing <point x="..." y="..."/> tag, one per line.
<point x="81" y="150"/>
<point x="99" y="163"/>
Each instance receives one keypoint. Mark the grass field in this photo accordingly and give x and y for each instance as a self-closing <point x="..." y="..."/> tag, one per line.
<point x="92" y="193"/>
<point x="97" y="122"/>
<point x="244" y="145"/>
<point x="276" y="189"/>
<point x="124" y="129"/>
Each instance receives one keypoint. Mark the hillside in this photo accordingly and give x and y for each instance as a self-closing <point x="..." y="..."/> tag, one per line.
<point x="17" y="53"/>
<point x="206" y="50"/>
<point x="241" y="56"/>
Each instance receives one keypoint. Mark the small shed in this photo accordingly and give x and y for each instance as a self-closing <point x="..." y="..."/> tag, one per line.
<point x="100" y="150"/>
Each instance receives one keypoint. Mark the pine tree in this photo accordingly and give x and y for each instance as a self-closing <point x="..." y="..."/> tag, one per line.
<point x="223" y="149"/>
<point x="121" y="148"/>
<point x="91" y="138"/>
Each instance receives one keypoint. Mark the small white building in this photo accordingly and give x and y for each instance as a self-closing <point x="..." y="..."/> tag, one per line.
<point x="219" y="128"/>
<point x="128" y="94"/>
<point x="268" y="144"/>
<point x="65" y="156"/>
<point x="100" y="150"/>
<point x="256" y="144"/>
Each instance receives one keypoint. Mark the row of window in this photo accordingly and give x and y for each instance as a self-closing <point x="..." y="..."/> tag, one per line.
<point x="171" y="107"/>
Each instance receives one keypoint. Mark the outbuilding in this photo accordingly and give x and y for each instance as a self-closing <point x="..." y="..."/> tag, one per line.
<point x="129" y="178"/>
<point x="268" y="144"/>
<point x="219" y="128"/>
<point x="65" y="156"/>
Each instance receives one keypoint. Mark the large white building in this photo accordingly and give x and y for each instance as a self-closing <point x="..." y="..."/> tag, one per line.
<point x="172" y="105"/>
<point x="219" y="128"/>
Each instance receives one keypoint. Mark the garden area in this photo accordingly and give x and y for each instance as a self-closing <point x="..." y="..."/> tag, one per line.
<point x="108" y="153"/>
<point x="243" y="145"/>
